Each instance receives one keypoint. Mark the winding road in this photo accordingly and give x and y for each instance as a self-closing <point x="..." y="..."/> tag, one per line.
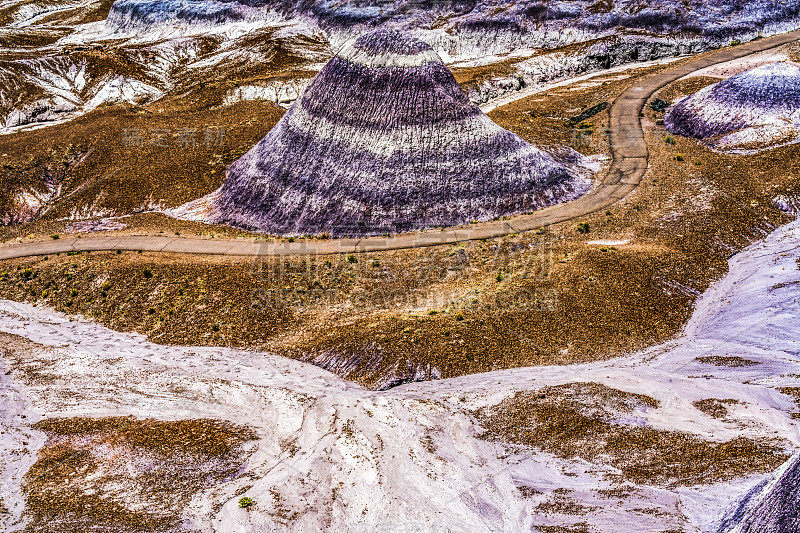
<point x="628" y="166"/>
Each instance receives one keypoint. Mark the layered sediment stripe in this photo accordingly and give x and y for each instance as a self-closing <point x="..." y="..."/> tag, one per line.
<point x="449" y="137"/>
<point x="366" y="57"/>
<point x="379" y="98"/>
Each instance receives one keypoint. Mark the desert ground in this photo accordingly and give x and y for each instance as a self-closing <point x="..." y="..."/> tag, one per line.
<point x="626" y="361"/>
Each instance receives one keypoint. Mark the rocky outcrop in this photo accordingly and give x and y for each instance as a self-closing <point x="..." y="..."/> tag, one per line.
<point x="772" y="506"/>
<point x="384" y="141"/>
<point x="755" y="110"/>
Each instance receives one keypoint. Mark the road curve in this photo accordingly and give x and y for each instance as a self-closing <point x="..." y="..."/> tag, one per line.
<point x="628" y="166"/>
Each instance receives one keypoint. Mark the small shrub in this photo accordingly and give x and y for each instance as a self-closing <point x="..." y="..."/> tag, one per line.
<point x="119" y="252"/>
<point x="27" y="273"/>
<point x="148" y="273"/>
<point x="351" y="258"/>
<point x="583" y="228"/>
<point x="106" y="286"/>
<point x="73" y="293"/>
<point x="151" y="310"/>
<point x="499" y="276"/>
<point x="459" y="317"/>
<point x="245" y="502"/>
<point x="433" y="312"/>
<point x="659" y="106"/>
<point x="291" y="239"/>
<point x="736" y="42"/>
<point x="669" y="139"/>
<point x="55" y="237"/>
<point x="698" y="163"/>
<point x="324" y="236"/>
<point x="215" y="327"/>
<point x="678" y="157"/>
<point x="45" y="294"/>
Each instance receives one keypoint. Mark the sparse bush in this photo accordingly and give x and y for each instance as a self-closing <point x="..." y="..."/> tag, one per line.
<point x="215" y="327"/>
<point x="659" y="106"/>
<point x="151" y="310"/>
<point x="27" y="273"/>
<point x="499" y="276"/>
<point x="669" y="139"/>
<point x="678" y="157"/>
<point x="148" y="273"/>
<point x="73" y="293"/>
<point x="459" y="317"/>
<point x="698" y="163"/>
<point x="106" y="286"/>
<point x="735" y="42"/>
<point x="583" y="228"/>
<point x="45" y="294"/>
<point x="245" y="502"/>
<point x="351" y="258"/>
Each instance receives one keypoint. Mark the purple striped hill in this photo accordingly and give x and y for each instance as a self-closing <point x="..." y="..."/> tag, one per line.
<point x="383" y="140"/>
<point x="756" y="110"/>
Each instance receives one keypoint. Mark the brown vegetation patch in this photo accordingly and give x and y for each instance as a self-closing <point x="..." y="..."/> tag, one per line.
<point x="100" y="474"/>
<point x="555" y="420"/>
<point x="560" y="504"/>
<point x="733" y="361"/>
<point x="170" y="298"/>
<point x="794" y="392"/>
<point x="581" y="527"/>
<point x="714" y="407"/>
<point x="685" y="87"/>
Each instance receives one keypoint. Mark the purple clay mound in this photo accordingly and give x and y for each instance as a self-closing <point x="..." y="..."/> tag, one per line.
<point x="384" y="141"/>
<point x="765" y="100"/>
